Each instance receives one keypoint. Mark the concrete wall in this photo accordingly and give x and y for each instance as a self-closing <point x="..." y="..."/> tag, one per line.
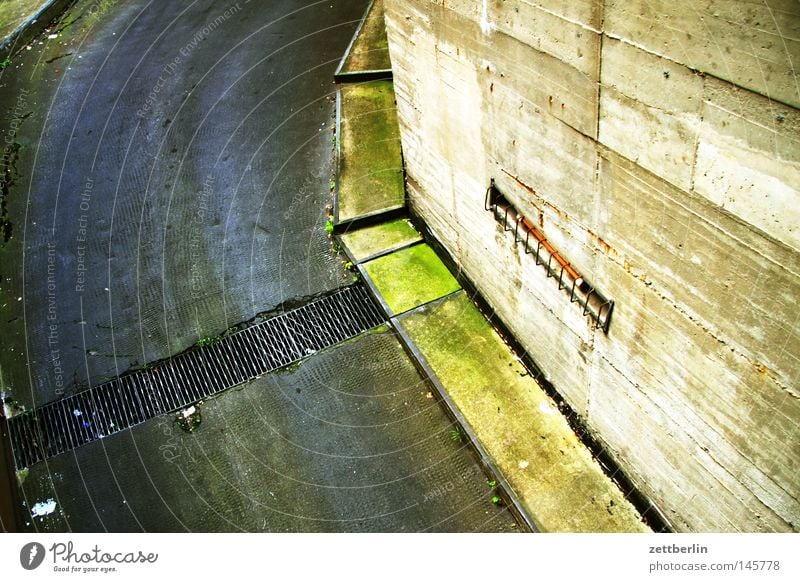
<point x="656" y="145"/>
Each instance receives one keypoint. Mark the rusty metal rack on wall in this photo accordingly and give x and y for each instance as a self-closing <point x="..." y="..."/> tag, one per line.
<point x="580" y="291"/>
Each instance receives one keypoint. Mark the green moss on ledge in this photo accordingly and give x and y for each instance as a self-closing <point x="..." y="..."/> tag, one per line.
<point x="370" y="51"/>
<point x="411" y="277"/>
<point x="379" y="238"/>
<point x="554" y="475"/>
<point x="371" y="165"/>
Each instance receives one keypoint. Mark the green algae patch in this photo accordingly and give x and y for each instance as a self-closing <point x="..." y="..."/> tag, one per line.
<point x="371" y="240"/>
<point x="554" y="475"/>
<point x="370" y="163"/>
<point x="411" y="277"/>
<point x="14" y="13"/>
<point x="22" y="475"/>
<point x="370" y="50"/>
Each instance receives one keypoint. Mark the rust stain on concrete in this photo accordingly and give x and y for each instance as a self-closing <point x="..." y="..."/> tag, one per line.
<point x="602" y="244"/>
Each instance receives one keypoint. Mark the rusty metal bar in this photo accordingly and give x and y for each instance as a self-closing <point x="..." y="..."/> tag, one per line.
<point x="505" y="219"/>
<point x="500" y="208"/>
<point x="516" y="227"/>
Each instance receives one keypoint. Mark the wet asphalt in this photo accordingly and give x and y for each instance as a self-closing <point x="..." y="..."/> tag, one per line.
<point x="165" y="176"/>
<point x="172" y="177"/>
<point x="347" y="442"/>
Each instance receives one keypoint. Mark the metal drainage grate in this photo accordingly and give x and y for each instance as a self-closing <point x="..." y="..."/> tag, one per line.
<point x="178" y="382"/>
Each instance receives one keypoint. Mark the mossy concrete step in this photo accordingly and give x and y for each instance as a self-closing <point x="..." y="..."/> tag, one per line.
<point x="370" y="171"/>
<point x="368" y="52"/>
<point x="410" y="277"/>
<point x="366" y="243"/>
<point x="22" y="20"/>
<point x="551" y="472"/>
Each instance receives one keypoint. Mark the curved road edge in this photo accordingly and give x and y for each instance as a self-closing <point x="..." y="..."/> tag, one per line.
<point x="33" y="26"/>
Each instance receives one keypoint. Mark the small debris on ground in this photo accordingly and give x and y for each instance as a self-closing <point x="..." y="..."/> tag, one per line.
<point x="43" y="508"/>
<point x="188" y="418"/>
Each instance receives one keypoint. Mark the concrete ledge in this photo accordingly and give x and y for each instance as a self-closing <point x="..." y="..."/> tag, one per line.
<point x="369" y="243"/>
<point x="651" y="513"/>
<point x="558" y="481"/>
<point x="369" y="164"/>
<point x="369" y="219"/>
<point x="34" y="26"/>
<point x="389" y="251"/>
<point x="353" y="40"/>
<point x="411" y="277"/>
<point x="363" y="38"/>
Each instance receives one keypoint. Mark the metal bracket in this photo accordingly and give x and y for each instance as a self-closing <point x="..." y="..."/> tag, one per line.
<point x="601" y="314"/>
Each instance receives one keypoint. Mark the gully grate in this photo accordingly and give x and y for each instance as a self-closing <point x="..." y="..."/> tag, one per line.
<point x="182" y="380"/>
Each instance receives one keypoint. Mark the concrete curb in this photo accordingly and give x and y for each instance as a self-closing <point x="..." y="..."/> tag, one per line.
<point x="337" y="161"/>
<point x="370" y="218"/>
<point x="32" y="27"/>
<point x="384" y="252"/>
<point x="504" y="487"/>
<point x="359" y="76"/>
<point x="9" y="492"/>
<point x="373" y="290"/>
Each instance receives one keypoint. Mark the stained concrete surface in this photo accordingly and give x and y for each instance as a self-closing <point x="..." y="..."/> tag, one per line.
<point x="371" y="163"/>
<point x="410" y="277"/>
<point x="370" y="49"/>
<point x="349" y="441"/>
<point x="13" y="13"/>
<point x="380" y="238"/>
<point x="560" y="485"/>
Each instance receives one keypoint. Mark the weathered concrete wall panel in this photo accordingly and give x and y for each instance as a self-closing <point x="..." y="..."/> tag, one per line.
<point x="695" y="256"/>
<point x="657" y="101"/>
<point x="748" y="159"/>
<point x="754" y="44"/>
<point x="705" y="392"/>
<point x="572" y="42"/>
<point x="670" y="463"/>
<point x="674" y="192"/>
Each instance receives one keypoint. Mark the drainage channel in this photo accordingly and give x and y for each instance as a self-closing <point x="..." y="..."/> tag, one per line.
<point x="182" y="380"/>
